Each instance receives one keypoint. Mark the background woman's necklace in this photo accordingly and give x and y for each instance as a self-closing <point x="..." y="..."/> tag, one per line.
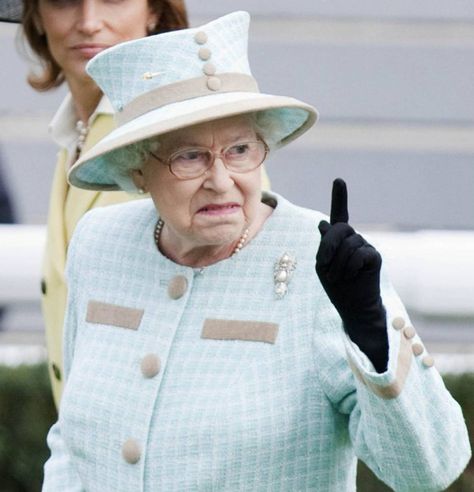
<point x="83" y="131"/>
<point x="239" y="246"/>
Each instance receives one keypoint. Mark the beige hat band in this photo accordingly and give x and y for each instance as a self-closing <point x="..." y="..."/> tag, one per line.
<point x="184" y="90"/>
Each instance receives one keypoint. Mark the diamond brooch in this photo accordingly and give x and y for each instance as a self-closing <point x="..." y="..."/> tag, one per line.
<point x="282" y="273"/>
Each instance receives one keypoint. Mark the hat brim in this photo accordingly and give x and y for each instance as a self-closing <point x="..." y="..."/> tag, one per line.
<point x="11" y="11"/>
<point x="95" y="169"/>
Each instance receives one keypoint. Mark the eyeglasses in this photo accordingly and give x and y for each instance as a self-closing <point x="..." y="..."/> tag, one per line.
<point x="241" y="157"/>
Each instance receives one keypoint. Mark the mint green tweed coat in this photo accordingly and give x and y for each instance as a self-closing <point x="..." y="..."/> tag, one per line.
<point x="180" y="380"/>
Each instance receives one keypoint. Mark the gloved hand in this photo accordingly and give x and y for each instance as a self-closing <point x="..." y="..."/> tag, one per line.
<point x="349" y="270"/>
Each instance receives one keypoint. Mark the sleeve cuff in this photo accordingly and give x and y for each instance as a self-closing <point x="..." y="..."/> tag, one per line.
<point x="389" y="384"/>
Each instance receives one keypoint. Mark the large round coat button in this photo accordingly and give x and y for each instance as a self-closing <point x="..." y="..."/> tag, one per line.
<point x="177" y="287"/>
<point x="131" y="451"/>
<point x="150" y="365"/>
<point x="43" y="286"/>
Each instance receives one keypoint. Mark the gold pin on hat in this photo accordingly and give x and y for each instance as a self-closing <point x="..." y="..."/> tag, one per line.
<point x="150" y="75"/>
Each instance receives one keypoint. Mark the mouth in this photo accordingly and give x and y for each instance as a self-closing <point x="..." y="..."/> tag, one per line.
<point x="89" y="50"/>
<point x="219" y="209"/>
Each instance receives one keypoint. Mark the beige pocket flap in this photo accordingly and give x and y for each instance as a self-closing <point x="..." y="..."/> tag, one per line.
<point x="111" y="314"/>
<point x="227" y="329"/>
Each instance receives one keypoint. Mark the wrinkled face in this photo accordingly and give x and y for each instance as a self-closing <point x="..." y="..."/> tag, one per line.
<point x="77" y="30"/>
<point x="213" y="209"/>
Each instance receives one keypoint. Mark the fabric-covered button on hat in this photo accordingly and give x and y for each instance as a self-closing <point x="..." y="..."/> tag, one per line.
<point x="209" y="69"/>
<point x="204" y="53"/>
<point x="214" y="83"/>
<point x="200" y="37"/>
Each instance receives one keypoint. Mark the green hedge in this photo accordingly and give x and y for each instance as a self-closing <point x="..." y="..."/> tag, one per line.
<point x="27" y="411"/>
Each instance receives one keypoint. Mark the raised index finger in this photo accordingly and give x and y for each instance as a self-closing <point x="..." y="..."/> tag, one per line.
<point x="339" y="211"/>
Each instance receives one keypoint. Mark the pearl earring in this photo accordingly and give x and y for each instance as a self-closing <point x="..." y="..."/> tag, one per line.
<point x="141" y="191"/>
<point x="39" y="27"/>
<point x="150" y="27"/>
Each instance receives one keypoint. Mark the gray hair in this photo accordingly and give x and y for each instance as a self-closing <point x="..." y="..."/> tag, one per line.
<point x="133" y="157"/>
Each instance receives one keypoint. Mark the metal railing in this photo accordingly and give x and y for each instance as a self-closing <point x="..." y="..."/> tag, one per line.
<point x="433" y="271"/>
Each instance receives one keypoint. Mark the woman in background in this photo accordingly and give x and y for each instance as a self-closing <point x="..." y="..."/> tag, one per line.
<point x="65" y="35"/>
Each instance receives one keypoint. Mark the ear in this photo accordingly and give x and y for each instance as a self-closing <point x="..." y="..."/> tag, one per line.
<point x="38" y="23"/>
<point x="139" y="179"/>
<point x="153" y="20"/>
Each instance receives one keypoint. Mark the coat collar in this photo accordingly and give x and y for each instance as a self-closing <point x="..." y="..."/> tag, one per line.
<point x="63" y="125"/>
<point x="71" y="203"/>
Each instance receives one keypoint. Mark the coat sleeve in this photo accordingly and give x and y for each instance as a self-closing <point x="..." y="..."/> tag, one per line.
<point x="60" y="474"/>
<point x="403" y="423"/>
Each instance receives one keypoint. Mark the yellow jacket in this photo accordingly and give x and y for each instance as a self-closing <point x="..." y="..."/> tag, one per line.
<point x="67" y="205"/>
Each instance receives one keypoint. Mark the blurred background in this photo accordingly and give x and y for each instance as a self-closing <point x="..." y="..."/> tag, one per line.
<point x="393" y="82"/>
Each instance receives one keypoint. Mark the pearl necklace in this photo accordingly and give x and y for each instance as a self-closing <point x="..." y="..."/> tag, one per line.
<point x="83" y="131"/>
<point x="240" y="244"/>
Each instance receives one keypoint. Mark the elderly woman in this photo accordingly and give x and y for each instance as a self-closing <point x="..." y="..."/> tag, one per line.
<point x="202" y="350"/>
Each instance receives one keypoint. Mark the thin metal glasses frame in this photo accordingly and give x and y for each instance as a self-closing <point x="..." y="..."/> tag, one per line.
<point x="221" y="155"/>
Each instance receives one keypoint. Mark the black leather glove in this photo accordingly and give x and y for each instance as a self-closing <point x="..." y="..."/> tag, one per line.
<point x="349" y="270"/>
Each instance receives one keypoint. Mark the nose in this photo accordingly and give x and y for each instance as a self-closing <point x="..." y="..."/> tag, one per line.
<point x="218" y="178"/>
<point x="89" y="18"/>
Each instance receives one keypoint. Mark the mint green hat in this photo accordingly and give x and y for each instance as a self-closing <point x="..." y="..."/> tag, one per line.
<point x="170" y="81"/>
